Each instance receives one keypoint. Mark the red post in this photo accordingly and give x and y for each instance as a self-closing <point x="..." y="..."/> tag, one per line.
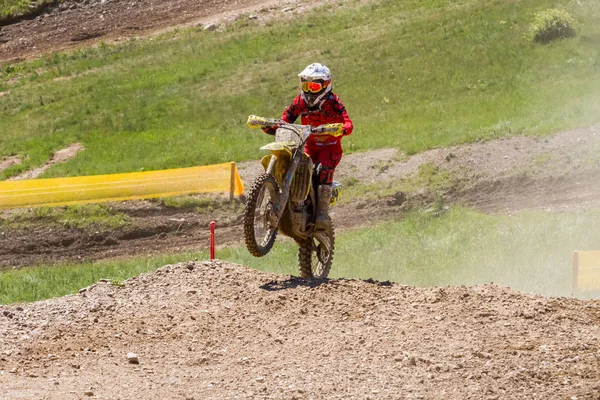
<point x="212" y="240"/>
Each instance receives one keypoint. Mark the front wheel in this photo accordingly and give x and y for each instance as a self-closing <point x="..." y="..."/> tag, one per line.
<point x="259" y="231"/>
<point x="314" y="258"/>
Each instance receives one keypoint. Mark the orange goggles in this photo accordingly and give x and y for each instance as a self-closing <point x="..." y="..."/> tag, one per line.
<point x="314" y="87"/>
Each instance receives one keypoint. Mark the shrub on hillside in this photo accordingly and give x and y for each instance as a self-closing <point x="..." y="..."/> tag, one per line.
<point x="552" y="24"/>
<point x="10" y="8"/>
<point x="15" y="10"/>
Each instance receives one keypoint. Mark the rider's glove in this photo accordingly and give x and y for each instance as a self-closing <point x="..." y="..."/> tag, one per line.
<point x="330" y="129"/>
<point x="269" y="130"/>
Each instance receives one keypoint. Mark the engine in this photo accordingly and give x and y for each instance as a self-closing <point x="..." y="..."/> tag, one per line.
<point x="302" y="180"/>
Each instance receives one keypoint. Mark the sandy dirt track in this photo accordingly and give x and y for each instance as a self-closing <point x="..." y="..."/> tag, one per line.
<point x="204" y="330"/>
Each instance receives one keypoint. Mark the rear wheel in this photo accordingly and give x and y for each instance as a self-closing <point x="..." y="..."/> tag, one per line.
<point x="258" y="230"/>
<point x="314" y="258"/>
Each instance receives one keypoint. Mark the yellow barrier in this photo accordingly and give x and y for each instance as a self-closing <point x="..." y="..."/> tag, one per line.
<point x="586" y="271"/>
<point x="130" y="186"/>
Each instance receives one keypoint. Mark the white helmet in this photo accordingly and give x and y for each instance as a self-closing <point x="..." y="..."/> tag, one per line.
<point x="316" y="84"/>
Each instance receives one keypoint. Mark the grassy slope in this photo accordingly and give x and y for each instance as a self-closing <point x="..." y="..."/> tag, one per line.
<point x="413" y="74"/>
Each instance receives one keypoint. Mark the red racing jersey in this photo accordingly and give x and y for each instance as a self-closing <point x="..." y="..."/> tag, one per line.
<point x="331" y="111"/>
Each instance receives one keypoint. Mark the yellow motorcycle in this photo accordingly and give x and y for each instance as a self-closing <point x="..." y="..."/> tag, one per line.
<point x="284" y="198"/>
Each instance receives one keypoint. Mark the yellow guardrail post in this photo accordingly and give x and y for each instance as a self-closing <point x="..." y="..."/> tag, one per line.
<point x="575" y="273"/>
<point x="586" y="272"/>
<point x="222" y="178"/>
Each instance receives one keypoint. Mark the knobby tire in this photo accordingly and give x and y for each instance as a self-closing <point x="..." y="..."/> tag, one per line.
<point x="266" y="185"/>
<point x="310" y="264"/>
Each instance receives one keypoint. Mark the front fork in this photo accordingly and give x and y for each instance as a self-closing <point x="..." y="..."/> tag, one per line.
<point x="270" y="168"/>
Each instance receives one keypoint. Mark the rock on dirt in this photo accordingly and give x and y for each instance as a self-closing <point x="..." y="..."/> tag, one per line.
<point x="132" y="358"/>
<point x="249" y="334"/>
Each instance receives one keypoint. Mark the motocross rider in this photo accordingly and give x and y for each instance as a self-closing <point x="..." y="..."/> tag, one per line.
<point x="318" y="105"/>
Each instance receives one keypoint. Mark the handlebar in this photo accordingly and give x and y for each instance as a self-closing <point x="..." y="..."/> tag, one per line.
<point x="327" y="129"/>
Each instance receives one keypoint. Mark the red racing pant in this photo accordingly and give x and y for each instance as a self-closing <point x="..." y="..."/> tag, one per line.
<point x="328" y="156"/>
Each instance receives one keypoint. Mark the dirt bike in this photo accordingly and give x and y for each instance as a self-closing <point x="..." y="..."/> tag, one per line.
<point x="284" y="198"/>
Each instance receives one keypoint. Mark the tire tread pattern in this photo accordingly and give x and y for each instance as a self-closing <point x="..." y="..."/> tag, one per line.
<point x="254" y="248"/>
<point x="305" y="255"/>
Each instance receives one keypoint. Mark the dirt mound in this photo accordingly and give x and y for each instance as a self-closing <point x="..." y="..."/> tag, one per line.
<point x="216" y="330"/>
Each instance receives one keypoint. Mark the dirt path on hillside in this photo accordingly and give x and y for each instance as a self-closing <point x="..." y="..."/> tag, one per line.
<point x="81" y="23"/>
<point x="203" y="330"/>
<point x="550" y="174"/>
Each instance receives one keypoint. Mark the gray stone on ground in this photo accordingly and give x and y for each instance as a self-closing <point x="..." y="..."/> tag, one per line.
<point x="132" y="358"/>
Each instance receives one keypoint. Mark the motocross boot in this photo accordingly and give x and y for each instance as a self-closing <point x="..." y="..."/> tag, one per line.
<point x="324" y="195"/>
